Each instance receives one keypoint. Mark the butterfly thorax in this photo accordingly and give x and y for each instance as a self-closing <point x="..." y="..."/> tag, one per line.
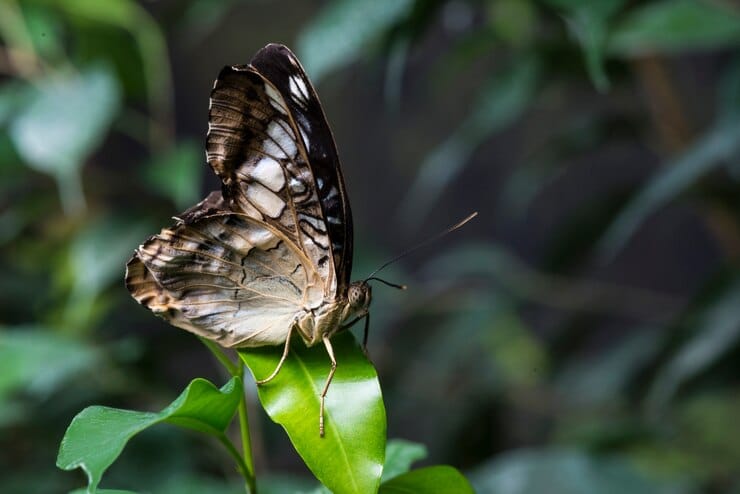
<point x="332" y="316"/>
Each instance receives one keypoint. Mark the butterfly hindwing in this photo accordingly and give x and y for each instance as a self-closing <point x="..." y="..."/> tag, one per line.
<point x="225" y="276"/>
<point x="269" y="143"/>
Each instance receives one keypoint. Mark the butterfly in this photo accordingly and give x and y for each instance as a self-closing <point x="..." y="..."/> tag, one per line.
<point x="270" y="254"/>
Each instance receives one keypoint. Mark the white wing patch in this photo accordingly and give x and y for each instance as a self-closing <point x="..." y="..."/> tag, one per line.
<point x="271" y="148"/>
<point x="298" y="90"/>
<point x="265" y="200"/>
<point x="275" y="99"/>
<point x="283" y="138"/>
<point x="297" y="187"/>
<point x="304" y="137"/>
<point x="333" y="192"/>
<point x="269" y="173"/>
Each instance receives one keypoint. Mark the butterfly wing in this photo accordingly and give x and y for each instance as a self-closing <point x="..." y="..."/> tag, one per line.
<point x="225" y="276"/>
<point x="243" y="265"/>
<point x="269" y="142"/>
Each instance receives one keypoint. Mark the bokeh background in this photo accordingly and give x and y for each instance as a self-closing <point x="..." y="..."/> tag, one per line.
<point x="581" y="335"/>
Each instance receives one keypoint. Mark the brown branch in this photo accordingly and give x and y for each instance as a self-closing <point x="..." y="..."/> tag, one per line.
<point x="675" y="132"/>
<point x="664" y="104"/>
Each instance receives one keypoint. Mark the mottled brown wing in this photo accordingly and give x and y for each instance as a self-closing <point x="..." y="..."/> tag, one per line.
<point x="270" y="144"/>
<point x="225" y="276"/>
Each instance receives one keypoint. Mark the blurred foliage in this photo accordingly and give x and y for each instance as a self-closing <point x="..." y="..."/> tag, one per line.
<point x="587" y="341"/>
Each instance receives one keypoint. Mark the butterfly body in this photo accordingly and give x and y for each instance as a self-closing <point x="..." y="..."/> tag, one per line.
<point x="333" y="316"/>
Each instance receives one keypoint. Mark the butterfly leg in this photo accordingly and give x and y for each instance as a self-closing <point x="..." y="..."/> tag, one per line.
<point x="365" y="335"/>
<point x="282" y="360"/>
<point x="330" y="351"/>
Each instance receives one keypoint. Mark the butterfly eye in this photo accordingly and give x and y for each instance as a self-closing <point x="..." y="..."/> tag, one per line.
<point x="356" y="295"/>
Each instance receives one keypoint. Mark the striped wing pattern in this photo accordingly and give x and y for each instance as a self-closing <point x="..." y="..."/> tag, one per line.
<point x="269" y="143"/>
<point x="278" y="65"/>
<point x="244" y="264"/>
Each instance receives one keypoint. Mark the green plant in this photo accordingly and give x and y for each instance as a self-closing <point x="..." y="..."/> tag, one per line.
<point x="350" y="458"/>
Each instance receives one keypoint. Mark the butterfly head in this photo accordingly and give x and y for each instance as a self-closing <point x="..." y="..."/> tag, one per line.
<point x="359" y="295"/>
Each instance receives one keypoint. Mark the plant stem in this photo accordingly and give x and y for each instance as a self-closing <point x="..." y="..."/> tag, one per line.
<point x="221" y="357"/>
<point x="245" y="461"/>
<point x="246" y="439"/>
<point x="249" y="478"/>
<point x="71" y="194"/>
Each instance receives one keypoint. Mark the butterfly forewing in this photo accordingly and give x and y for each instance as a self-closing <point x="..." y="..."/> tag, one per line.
<point x="281" y="67"/>
<point x="269" y="143"/>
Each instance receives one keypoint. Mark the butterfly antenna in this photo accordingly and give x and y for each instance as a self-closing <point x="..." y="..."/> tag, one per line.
<point x="394" y="285"/>
<point x="417" y="247"/>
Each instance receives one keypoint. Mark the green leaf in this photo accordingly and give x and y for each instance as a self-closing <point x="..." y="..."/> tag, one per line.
<point x="350" y="457"/>
<point x="602" y="379"/>
<point x="150" y="41"/>
<point x="712" y="150"/>
<point x="14" y="96"/>
<point x="357" y="23"/>
<point x="559" y="471"/>
<point x="95" y="260"/>
<point x="499" y="105"/>
<point x="717" y="332"/>
<point x="66" y="120"/>
<point x="177" y="174"/>
<point x="128" y="15"/>
<point x="46" y="31"/>
<point x="676" y="25"/>
<point x="97" y="435"/>
<point x="706" y="428"/>
<point x="515" y="349"/>
<point x="602" y="9"/>
<point x="64" y="123"/>
<point x="102" y="491"/>
<point x="39" y="361"/>
<point x="728" y="98"/>
<point x="97" y="254"/>
<point x="200" y="18"/>
<point x="429" y="480"/>
<point x="124" y="13"/>
<point x="514" y="21"/>
<point x="399" y="455"/>
<point x="11" y="225"/>
<point x="589" y="24"/>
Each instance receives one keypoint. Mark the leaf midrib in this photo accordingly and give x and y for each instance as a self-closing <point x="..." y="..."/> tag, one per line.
<point x="307" y="374"/>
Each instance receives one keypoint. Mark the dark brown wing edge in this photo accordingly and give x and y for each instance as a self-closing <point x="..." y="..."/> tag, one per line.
<point x="277" y="64"/>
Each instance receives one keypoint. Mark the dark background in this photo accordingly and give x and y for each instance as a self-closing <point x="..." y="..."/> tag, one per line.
<point x="581" y="335"/>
